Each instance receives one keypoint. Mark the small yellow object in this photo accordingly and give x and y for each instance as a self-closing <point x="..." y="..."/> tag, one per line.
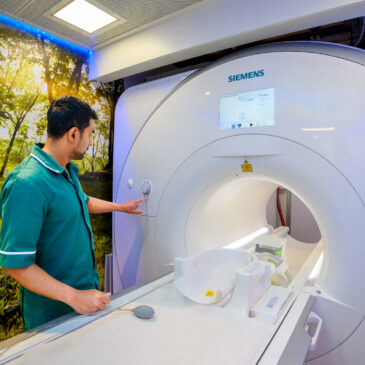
<point x="209" y="293"/>
<point x="246" y="167"/>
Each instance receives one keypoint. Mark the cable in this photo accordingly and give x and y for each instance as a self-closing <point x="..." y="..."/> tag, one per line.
<point x="279" y="207"/>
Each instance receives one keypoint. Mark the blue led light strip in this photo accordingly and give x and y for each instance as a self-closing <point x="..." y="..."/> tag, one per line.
<point x="40" y="33"/>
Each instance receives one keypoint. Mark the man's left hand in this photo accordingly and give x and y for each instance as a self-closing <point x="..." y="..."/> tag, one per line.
<point x="95" y="205"/>
<point x="131" y="206"/>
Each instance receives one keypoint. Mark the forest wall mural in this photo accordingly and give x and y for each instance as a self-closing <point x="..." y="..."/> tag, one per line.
<point x="33" y="72"/>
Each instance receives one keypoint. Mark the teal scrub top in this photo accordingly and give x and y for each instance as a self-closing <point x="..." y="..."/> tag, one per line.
<point x="45" y="221"/>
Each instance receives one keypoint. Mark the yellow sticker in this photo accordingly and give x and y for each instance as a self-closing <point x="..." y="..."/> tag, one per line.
<point x="246" y="167"/>
<point x="209" y="293"/>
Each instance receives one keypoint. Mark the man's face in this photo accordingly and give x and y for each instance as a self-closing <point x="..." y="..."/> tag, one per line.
<point x="85" y="141"/>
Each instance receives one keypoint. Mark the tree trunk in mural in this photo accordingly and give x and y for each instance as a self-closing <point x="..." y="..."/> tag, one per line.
<point x="47" y="72"/>
<point x="18" y="124"/>
<point x="76" y="75"/>
<point x="94" y="151"/>
<point x="59" y="78"/>
<point x="16" y="74"/>
<point x="118" y="88"/>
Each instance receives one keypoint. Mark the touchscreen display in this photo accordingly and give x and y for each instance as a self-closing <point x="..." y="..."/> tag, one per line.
<point x="247" y="110"/>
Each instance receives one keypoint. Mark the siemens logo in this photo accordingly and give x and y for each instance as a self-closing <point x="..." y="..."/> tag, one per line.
<point x="247" y="75"/>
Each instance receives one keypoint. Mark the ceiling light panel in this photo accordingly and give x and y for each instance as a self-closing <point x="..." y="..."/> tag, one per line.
<point x="132" y="16"/>
<point x="85" y="16"/>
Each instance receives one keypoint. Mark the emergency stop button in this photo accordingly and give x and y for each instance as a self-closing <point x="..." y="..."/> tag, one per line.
<point x="146" y="187"/>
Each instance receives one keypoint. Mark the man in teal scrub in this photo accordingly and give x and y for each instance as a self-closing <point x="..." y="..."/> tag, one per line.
<point x="46" y="238"/>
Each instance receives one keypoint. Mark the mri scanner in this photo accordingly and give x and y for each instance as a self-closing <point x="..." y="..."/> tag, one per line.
<point x="207" y="149"/>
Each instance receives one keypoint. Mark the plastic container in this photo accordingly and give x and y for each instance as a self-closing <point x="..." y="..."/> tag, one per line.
<point x="209" y="276"/>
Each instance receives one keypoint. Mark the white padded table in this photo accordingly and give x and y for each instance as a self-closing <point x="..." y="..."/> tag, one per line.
<point x="182" y="332"/>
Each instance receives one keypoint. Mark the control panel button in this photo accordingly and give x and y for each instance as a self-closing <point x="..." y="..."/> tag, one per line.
<point x="146" y="188"/>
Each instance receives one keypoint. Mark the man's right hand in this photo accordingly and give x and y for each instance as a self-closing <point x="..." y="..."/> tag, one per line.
<point x="83" y="301"/>
<point x="88" y="301"/>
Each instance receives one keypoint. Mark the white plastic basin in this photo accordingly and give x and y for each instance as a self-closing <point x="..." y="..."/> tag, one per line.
<point x="210" y="275"/>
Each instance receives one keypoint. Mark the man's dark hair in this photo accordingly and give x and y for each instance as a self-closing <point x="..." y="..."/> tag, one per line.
<point x="67" y="112"/>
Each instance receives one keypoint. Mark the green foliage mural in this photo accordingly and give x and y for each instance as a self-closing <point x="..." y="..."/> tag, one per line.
<point x="34" y="72"/>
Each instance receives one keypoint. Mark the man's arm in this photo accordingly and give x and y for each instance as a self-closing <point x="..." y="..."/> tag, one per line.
<point x="95" y="205"/>
<point x="38" y="281"/>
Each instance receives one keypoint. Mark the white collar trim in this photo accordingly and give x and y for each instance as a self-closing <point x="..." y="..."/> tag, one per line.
<point x="50" y="168"/>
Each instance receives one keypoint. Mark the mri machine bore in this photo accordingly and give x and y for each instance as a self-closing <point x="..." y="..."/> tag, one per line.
<point x="208" y="149"/>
